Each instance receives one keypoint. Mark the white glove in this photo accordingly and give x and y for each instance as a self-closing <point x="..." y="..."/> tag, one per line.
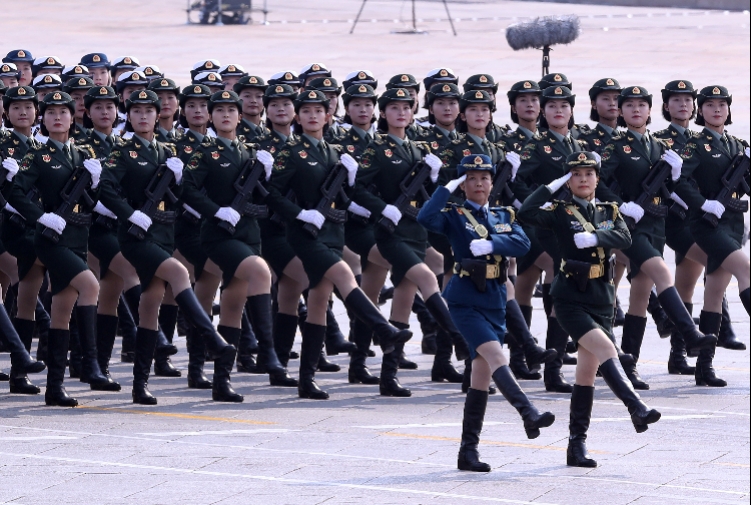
<point x="585" y="239"/>
<point x="99" y="208"/>
<point x="392" y="214"/>
<point x="713" y="207"/>
<point x="351" y="165"/>
<point x="546" y="205"/>
<point x="52" y="220"/>
<point x="94" y="167"/>
<point x="559" y="183"/>
<point x="176" y="165"/>
<point x="746" y="152"/>
<point x="597" y="157"/>
<point x="312" y="217"/>
<point x="435" y="164"/>
<point x="453" y="185"/>
<point x="10" y="209"/>
<point x="481" y="247"/>
<point x="11" y="166"/>
<point x="516" y="162"/>
<point x="190" y="210"/>
<point x="675" y="162"/>
<point x="141" y="220"/>
<point x="267" y="160"/>
<point x="358" y="210"/>
<point x="632" y="210"/>
<point x="677" y="199"/>
<point x="228" y="214"/>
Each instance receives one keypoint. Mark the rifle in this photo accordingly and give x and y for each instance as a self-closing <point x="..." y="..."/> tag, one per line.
<point x="247" y="182"/>
<point x="653" y="185"/>
<point x="734" y="181"/>
<point x="412" y="185"/>
<point x="331" y="189"/>
<point x="501" y="188"/>
<point x="71" y="193"/>
<point x="155" y="192"/>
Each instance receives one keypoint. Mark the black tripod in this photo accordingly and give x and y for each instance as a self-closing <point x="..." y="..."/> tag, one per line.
<point x="414" y="30"/>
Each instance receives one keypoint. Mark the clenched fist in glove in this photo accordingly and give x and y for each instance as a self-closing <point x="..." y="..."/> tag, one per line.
<point x="53" y="221"/>
<point x="312" y="217"/>
<point x="141" y="220"/>
<point x="228" y="214"/>
<point x="481" y="247"/>
<point x="675" y="162"/>
<point x="714" y="207"/>
<point x="392" y="214"/>
<point x="632" y="210"/>
<point x="176" y="165"/>
<point x="11" y="166"/>
<point x="358" y="210"/>
<point x="94" y="167"/>
<point x="435" y="164"/>
<point x="99" y="208"/>
<point x="351" y="165"/>
<point x="516" y="162"/>
<point x="267" y="160"/>
<point x="585" y="239"/>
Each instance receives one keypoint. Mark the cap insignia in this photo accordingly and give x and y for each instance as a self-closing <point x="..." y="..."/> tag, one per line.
<point x="288" y="76"/>
<point x="21" y="91"/>
<point x="197" y="89"/>
<point x="327" y="82"/>
<point x="127" y="60"/>
<point x="316" y="67"/>
<point x="209" y="65"/>
<point x="400" y="93"/>
<point x="636" y="90"/>
<point x="483" y="78"/>
<point x="312" y="94"/>
<point x="143" y="94"/>
<point x="82" y="82"/>
<point x="253" y="80"/>
<point x="362" y="75"/>
<point x="582" y="157"/>
<point x="558" y="91"/>
<point x="50" y="61"/>
<point x="57" y="96"/>
<point x="716" y="91"/>
<point x="48" y="79"/>
<point x="164" y="83"/>
<point x="96" y="58"/>
<point x="21" y="54"/>
<point x="478" y="94"/>
<point x="362" y="89"/>
<point x="225" y="95"/>
<point x="103" y="91"/>
<point x="557" y="78"/>
<point x="681" y="85"/>
<point x="443" y="73"/>
<point x="405" y="78"/>
<point x="609" y="82"/>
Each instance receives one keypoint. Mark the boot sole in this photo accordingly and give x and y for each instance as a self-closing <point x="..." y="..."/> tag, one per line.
<point x="112" y="387"/>
<point x="29" y="391"/>
<point x="228" y="399"/>
<point x="581" y="464"/>
<point x="313" y="396"/>
<point x="396" y="394"/>
<point x="283" y="383"/>
<point x="368" y="382"/>
<point x="719" y="384"/>
<point x="53" y="403"/>
<point x="652" y="418"/>
<point x="481" y="468"/>
<point x="682" y="372"/>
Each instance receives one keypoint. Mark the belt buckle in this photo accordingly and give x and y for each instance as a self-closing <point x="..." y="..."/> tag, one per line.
<point x="656" y="200"/>
<point x="160" y="206"/>
<point x="492" y="272"/>
<point x="595" y="271"/>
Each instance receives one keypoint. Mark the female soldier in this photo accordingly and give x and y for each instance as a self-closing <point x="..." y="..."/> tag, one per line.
<point x="583" y="292"/>
<point x="477" y="302"/>
<point x="486" y="83"/>
<point x="408" y="82"/>
<point x="77" y="88"/>
<point x="60" y="243"/>
<point x="302" y="166"/>
<point x="706" y="160"/>
<point x="168" y="93"/>
<point x="628" y="159"/>
<point x="251" y="90"/>
<point x="331" y="90"/>
<point x="235" y="249"/>
<point x="129" y="171"/>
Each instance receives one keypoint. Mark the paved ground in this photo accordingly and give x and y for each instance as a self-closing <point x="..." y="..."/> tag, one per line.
<point x="358" y="447"/>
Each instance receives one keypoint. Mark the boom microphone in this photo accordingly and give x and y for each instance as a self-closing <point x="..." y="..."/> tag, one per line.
<point x="543" y="32"/>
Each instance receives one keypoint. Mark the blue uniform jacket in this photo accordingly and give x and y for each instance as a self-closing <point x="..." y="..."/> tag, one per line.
<point x="508" y="240"/>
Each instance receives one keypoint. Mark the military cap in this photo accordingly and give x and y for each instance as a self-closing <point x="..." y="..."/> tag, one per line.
<point x="286" y="77"/>
<point x="205" y="66"/>
<point x="325" y="84"/>
<point x="403" y="81"/>
<point x="210" y="79"/>
<point x="232" y="70"/>
<point x="634" y="92"/>
<point x="194" y="91"/>
<point x="476" y="163"/>
<point x="225" y="96"/>
<point x="18" y="55"/>
<point x="557" y="93"/>
<point x="555" y="80"/>
<point x="100" y="93"/>
<point x="440" y="75"/>
<point x="475" y="96"/>
<point x="124" y="63"/>
<point x="314" y="70"/>
<point x="710" y="92"/>
<point x="79" y="83"/>
<point x="130" y="78"/>
<point x="143" y="96"/>
<point x="480" y="81"/>
<point x="278" y="91"/>
<point x="95" y="60"/>
<point x="674" y="87"/>
<point x="57" y="98"/>
<point x="19" y="93"/>
<point x="606" y="84"/>
<point x="163" y="84"/>
<point x="522" y="87"/>
<point x="443" y="90"/>
<point x="41" y="65"/>
<point x="395" y="95"/>
<point x="360" y="77"/>
<point x="250" y="81"/>
<point x="8" y="70"/>
<point x="47" y="81"/>
<point x="72" y="71"/>
<point x="311" y="96"/>
<point x="359" y="91"/>
<point x="150" y="71"/>
<point x="582" y="159"/>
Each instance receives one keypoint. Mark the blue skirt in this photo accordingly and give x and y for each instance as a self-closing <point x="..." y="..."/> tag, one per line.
<point x="478" y="325"/>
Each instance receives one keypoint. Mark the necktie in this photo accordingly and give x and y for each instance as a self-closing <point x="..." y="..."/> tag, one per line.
<point x="452" y="135"/>
<point x="324" y="151"/>
<point x="591" y="212"/>
<point x="368" y="138"/>
<point x="645" y="142"/>
<point x="725" y="143"/>
<point x="567" y="143"/>
<point x="66" y="151"/>
<point x="30" y="142"/>
<point x="110" y="140"/>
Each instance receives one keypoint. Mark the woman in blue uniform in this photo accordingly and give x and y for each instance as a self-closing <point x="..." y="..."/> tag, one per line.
<point x="482" y="239"/>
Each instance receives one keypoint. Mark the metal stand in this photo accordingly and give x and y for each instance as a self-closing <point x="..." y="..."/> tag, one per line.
<point x="545" y="60"/>
<point x="219" y="15"/>
<point x="414" y="30"/>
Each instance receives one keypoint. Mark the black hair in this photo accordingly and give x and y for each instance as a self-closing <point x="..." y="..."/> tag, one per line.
<point x="382" y="126"/>
<point x="622" y="122"/>
<point x="666" y="114"/>
<point x="544" y="122"/>
<point x="183" y="121"/>
<point x="702" y="122"/>
<point x="593" y="114"/>
<point x="460" y="124"/>
<point x="6" y="118"/>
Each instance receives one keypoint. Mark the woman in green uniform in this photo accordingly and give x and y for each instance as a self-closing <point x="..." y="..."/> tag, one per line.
<point x="707" y="157"/>
<point x="77" y="88"/>
<point x="127" y="175"/>
<point x="60" y="243"/>
<point x="627" y="160"/>
<point x="302" y="166"/>
<point x="169" y="94"/>
<point x="583" y="291"/>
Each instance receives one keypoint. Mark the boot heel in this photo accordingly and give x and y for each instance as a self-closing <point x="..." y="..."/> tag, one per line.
<point x="532" y="433"/>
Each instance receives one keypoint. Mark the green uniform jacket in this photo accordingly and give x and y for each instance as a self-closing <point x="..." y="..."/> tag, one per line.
<point x="171" y="137"/>
<point x="497" y="133"/>
<point x="675" y="139"/>
<point x="597" y="138"/>
<point x="11" y="146"/>
<point x="457" y="149"/>
<point x="352" y="143"/>
<point x="80" y="134"/>
<point x="251" y="131"/>
<point x="187" y="145"/>
<point x="437" y="140"/>
<point x="516" y="140"/>
<point x="611" y="231"/>
<point x="100" y="147"/>
<point x="272" y="142"/>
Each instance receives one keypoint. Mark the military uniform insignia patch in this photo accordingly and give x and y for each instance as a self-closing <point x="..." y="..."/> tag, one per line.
<point x="303" y="154"/>
<point x="351" y="148"/>
<point x="188" y="149"/>
<point x="708" y="147"/>
<point x="547" y="149"/>
<point x="133" y="154"/>
<point x="502" y="228"/>
<point x="434" y="145"/>
<point x="627" y="149"/>
<point x="597" y="142"/>
<point x="466" y="152"/>
<point x="388" y="152"/>
<point x="11" y="150"/>
<point x="606" y="225"/>
<point x="46" y="158"/>
<point x="215" y="155"/>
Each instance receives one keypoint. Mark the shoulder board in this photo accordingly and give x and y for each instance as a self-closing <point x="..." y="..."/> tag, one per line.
<point x="664" y="143"/>
<point x="662" y="133"/>
<point x="170" y="147"/>
<point x="584" y="128"/>
<point x="615" y="208"/>
<point x="38" y="147"/>
<point x="449" y="207"/>
<point x="208" y="141"/>
<point x="293" y="141"/>
<point x="458" y="141"/>
<point x="251" y="145"/>
<point x="379" y="140"/>
<point x="509" y="210"/>
<point x="618" y="135"/>
<point x="540" y="135"/>
<point x="337" y="147"/>
<point x="582" y="143"/>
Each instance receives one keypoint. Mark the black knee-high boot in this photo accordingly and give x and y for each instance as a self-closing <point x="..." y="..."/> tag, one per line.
<point x="518" y="361"/>
<point x="677" y="361"/>
<point x="312" y="343"/>
<point x="86" y="318"/>
<point x="641" y="415"/>
<point x="163" y="367"/>
<point x="705" y="374"/>
<point x="428" y="326"/>
<point x="132" y="299"/>
<point x="527" y="313"/>
<point x="659" y="315"/>
<point x="388" y="336"/>
<point x="335" y="341"/>
<point x="285" y="330"/>
<point x="633" y="335"/>
<point x="76" y="352"/>
<point x="196" y="359"/>
<point x="581" y="413"/>
<point x="222" y="388"/>
<point x="474" y="415"/>
<point x="358" y="372"/>
<point x="259" y="313"/>
<point x="556" y="339"/>
<point x="57" y="355"/>
<point x="389" y="384"/>
<point x="673" y="305"/>
<point x="440" y="311"/>
<point x="127" y="323"/>
<point x="43" y="323"/>
<point x="144" y="355"/>
<point x="19" y="382"/>
<point x="19" y="356"/>
<point x="547" y="299"/>
<point x="247" y="347"/>
<point x="216" y="346"/>
<point x="106" y="328"/>
<point x="726" y="335"/>
<point x="509" y="388"/>
<point x="443" y="369"/>
<point x="534" y="354"/>
<point x="745" y="298"/>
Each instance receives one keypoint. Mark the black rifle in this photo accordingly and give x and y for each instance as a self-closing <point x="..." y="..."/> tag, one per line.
<point x="501" y="188"/>
<point x="247" y="182"/>
<point x="411" y="186"/>
<point x="155" y="192"/>
<point x="653" y="185"/>
<point x="72" y="192"/>
<point x="331" y="188"/>
<point x="734" y="181"/>
<point x="3" y="175"/>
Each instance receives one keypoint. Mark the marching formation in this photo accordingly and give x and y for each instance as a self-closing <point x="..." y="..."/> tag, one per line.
<point x="130" y="202"/>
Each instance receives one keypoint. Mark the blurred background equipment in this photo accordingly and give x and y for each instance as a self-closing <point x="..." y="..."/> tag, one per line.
<point x="413" y="30"/>
<point x="543" y="32"/>
<point x="221" y="12"/>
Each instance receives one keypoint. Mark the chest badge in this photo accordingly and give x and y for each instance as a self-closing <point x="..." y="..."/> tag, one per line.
<point x="133" y="154"/>
<point x="670" y="142"/>
<point x="597" y="142"/>
<point x="708" y="147"/>
<point x="605" y="225"/>
<point x="224" y="165"/>
<point x="557" y="158"/>
<point x="388" y="153"/>
<point x="272" y="149"/>
<point x="716" y="155"/>
<point x="303" y="154"/>
<point x="502" y="228"/>
<point x="46" y="158"/>
<point x="11" y="151"/>
<point x="627" y="149"/>
<point x="547" y="149"/>
<point x="215" y="155"/>
<point x="56" y="167"/>
<point x="351" y="148"/>
<point x="466" y="152"/>
<point x="469" y="226"/>
<point x="434" y="145"/>
<point x="188" y="149"/>
<point x="143" y="163"/>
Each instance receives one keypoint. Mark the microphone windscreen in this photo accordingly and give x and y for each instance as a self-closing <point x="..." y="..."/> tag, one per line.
<point x="543" y="31"/>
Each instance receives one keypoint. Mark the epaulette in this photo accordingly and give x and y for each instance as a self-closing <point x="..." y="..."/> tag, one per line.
<point x="458" y="141"/>
<point x="171" y="147"/>
<point x="665" y="143"/>
<point x="37" y="146"/>
<point x="618" y="135"/>
<point x="449" y="207"/>
<point x="539" y="135"/>
<point x="616" y="209"/>
<point x="291" y="142"/>
<point x="511" y="211"/>
<point x="337" y="147"/>
<point x="379" y="140"/>
<point x="88" y="148"/>
<point x="252" y="145"/>
<point x="583" y="144"/>
<point x="208" y="141"/>
<point x="584" y="129"/>
<point x="662" y="133"/>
